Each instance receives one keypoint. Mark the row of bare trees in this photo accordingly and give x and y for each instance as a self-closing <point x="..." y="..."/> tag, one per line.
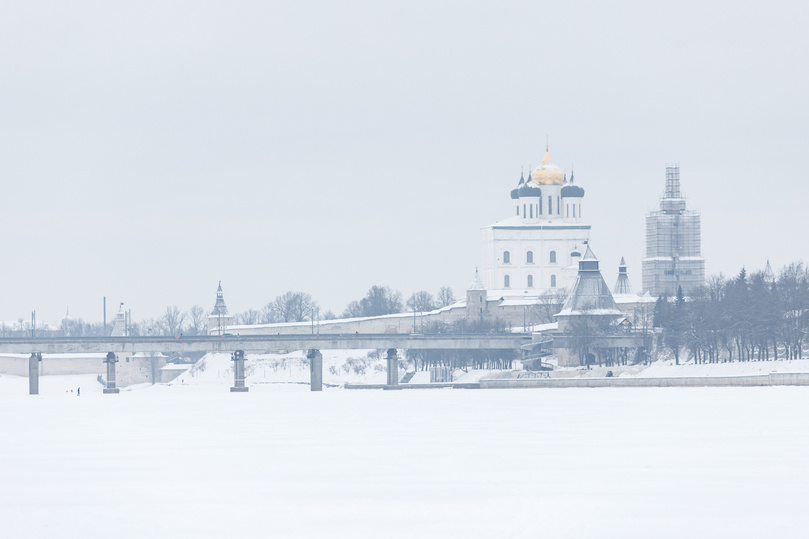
<point x="381" y="300"/>
<point x="751" y="317"/>
<point x="461" y="359"/>
<point x="378" y="301"/>
<point x="292" y="306"/>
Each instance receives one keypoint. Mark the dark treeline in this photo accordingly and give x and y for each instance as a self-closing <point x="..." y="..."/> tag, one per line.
<point x="460" y="359"/>
<point x="757" y="317"/>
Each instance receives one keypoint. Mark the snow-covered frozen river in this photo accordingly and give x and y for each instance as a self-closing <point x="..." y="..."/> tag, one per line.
<point x="198" y="461"/>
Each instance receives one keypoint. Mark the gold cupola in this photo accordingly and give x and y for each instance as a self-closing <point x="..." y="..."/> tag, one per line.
<point x="547" y="173"/>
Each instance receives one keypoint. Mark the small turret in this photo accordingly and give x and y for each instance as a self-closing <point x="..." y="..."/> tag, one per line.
<point x="476" y="298"/>
<point x="622" y="285"/>
<point x="219" y="319"/>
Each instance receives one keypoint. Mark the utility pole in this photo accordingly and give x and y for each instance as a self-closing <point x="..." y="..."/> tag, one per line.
<point x="33" y="322"/>
<point x="105" y="316"/>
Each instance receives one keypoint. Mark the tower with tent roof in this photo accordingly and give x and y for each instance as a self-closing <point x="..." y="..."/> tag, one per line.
<point x="219" y="319"/>
<point x="622" y="285"/>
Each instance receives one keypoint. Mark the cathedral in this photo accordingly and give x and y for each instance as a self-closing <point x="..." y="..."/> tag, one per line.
<point x="537" y="248"/>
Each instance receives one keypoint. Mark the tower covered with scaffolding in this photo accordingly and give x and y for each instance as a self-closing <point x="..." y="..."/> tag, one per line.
<point x="673" y="254"/>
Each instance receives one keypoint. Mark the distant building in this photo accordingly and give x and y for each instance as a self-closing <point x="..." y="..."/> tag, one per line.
<point x="590" y="296"/>
<point x="622" y="285"/>
<point x="588" y="318"/>
<point x="219" y="319"/>
<point x="120" y="327"/>
<point x="673" y="254"/>
<point x="538" y="248"/>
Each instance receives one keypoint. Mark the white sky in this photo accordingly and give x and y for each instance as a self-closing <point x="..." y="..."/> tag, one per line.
<point x="150" y="149"/>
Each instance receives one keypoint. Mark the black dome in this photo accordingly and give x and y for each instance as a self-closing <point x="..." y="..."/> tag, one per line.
<point x="572" y="191"/>
<point x="528" y="191"/>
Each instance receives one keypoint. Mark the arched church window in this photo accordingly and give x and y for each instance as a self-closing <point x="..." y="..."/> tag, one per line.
<point x="558" y="207"/>
<point x="553" y="281"/>
<point x="530" y="281"/>
<point x="523" y="211"/>
<point x="550" y="205"/>
<point x="553" y="257"/>
<point x="532" y="211"/>
<point x="518" y="210"/>
<point x="506" y="281"/>
<point x="506" y="257"/>
<point x="529" y="257"/>
<point x="540" y="206"/>
<point x="574" y="211"/>
<point x="567" y="210"/>
<point x="579" y="210"/>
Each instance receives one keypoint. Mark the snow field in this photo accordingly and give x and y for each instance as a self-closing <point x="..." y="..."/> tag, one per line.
<point x="339" y="367"/>
<point x="280" y="461"/>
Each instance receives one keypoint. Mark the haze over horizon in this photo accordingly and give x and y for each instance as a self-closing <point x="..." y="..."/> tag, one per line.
<point x="150" y="150"/>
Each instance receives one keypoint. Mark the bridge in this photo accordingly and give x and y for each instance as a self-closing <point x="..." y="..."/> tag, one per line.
<point x="264" y="343"/>
<point x="239" y="345"/>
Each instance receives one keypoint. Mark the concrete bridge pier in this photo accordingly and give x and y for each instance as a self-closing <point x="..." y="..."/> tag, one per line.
<point x="238" y="372"/>
<point x="393" y="369"/>
<point x="33" y="373"/>
<point x="315" y="369"/>
<point x="111" y="361"/>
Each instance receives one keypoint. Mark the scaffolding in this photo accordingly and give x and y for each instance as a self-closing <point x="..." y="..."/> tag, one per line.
<point x="673" y="256"/>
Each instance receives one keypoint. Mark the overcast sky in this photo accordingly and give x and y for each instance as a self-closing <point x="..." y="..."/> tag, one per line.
<point x="150" y="149"/>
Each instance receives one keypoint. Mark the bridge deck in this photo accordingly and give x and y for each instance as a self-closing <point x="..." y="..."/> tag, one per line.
<point x="263" y="343"/>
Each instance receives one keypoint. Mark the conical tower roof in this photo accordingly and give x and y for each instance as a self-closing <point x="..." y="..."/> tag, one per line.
<point x="622" y="284"/>
<point x="119" y="324"/>
<point x="477" y="284"/>
<point x="219" y="307"/>
<point x="590" y="295"/>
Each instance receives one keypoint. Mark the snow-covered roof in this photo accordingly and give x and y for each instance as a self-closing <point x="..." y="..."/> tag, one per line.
<point x="477" y="284"/>
<point x="590" y="294"/>
<point x="176" y="367"/>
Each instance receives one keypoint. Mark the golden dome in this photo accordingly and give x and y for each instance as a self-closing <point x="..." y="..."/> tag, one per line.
<point x="547" y="173"/>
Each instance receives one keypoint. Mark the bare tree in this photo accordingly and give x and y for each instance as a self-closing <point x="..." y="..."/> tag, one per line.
<point x="151" y="326"/>
<point x="250" y="317"/>
<point x="549" y="303"/>
<point x="445" y="296"/>
<point x="353" y="310"/>
<point x="378" y="301"/>
<point x="173" y="320"/>
<point x="198" y="318"/>
<point x="268" y="314"/>
<point x="294" y="307"/>
<point x="72" y="328"/>
<point x="421" y="301"/>
<point x="643" y="320"/>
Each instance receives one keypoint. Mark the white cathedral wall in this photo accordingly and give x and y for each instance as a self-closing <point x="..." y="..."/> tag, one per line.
<point x="571" y="208"/>
<point x="541" y="241"/>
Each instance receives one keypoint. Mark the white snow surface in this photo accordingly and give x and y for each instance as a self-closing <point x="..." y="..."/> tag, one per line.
<point x="191" y="459"/>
